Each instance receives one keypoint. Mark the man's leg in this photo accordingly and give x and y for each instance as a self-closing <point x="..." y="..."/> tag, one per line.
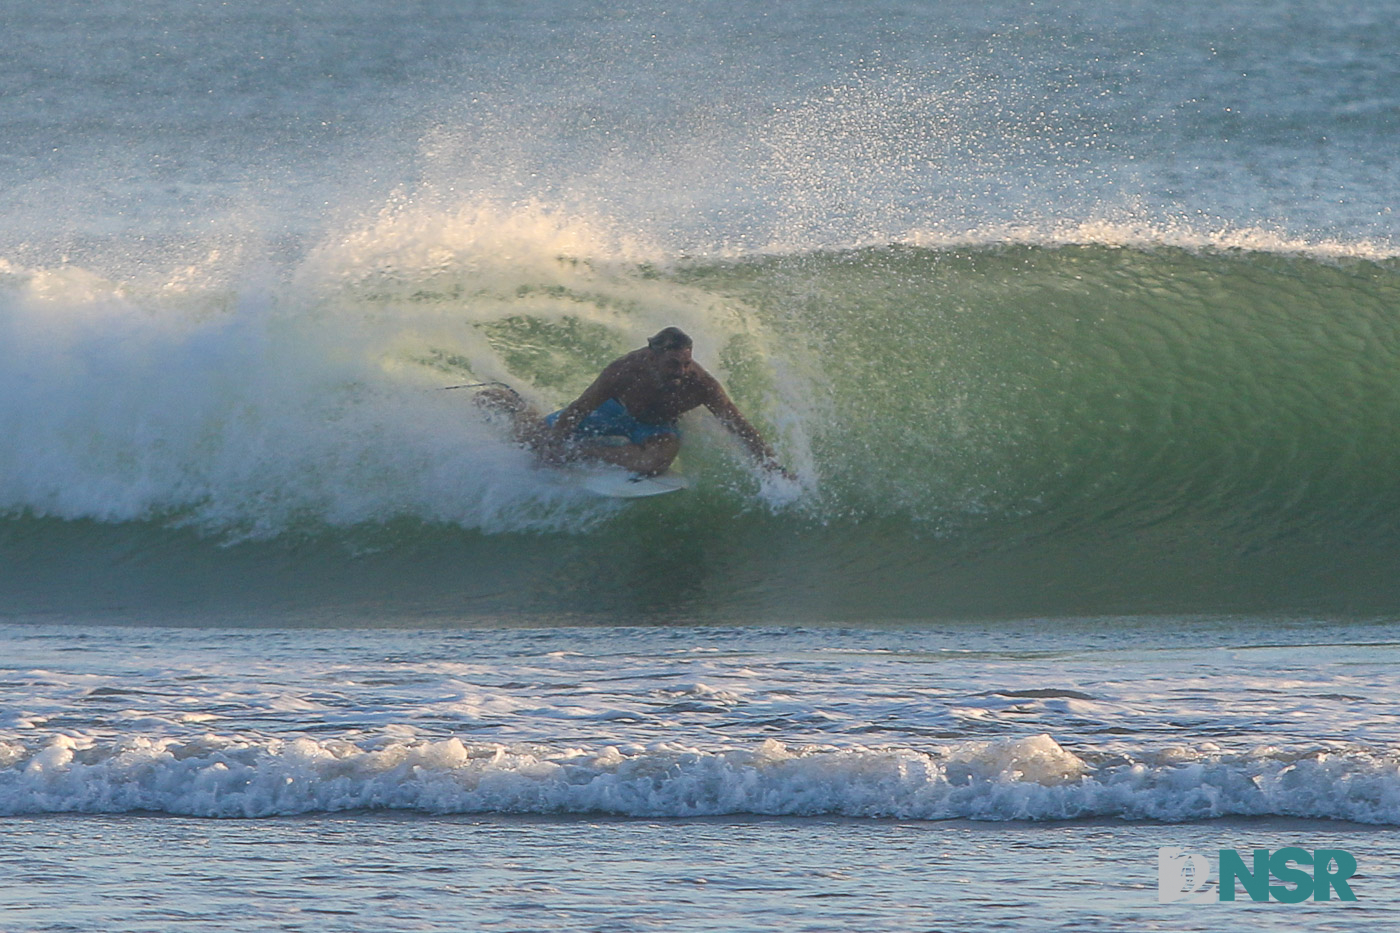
<point x="651" y="457"/>
<point x="526" y="426"/>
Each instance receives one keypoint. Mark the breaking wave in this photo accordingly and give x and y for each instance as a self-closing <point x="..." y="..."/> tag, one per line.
<point x="1088" y="420"/>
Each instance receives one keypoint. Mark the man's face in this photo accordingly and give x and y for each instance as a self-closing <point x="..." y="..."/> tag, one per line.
<point x="674" y="364"/>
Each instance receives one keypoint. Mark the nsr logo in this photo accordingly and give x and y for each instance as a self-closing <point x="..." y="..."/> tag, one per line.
<point x="1184" y="877"/>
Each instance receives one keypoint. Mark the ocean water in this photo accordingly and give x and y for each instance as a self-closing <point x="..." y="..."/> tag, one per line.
<point x="1077" y="323"/>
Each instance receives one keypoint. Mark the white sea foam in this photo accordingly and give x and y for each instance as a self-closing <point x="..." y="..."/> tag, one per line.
<point x="251" y="412"/>
<point x="250" y="402"/>
<point x="1031" y="778"/>
<point x="685" y="722"/>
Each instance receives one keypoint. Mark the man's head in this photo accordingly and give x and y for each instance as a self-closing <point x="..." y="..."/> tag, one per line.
<point x="670" y="338"/>
<point x="671" y="349"/>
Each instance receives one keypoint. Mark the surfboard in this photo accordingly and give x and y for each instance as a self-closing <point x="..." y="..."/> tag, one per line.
<point x="615" y="483"/>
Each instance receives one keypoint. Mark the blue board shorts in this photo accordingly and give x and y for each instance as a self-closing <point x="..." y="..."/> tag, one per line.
<point x="612" y="419"/>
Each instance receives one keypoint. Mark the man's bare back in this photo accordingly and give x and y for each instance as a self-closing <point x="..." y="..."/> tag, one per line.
<point x="638" y="396"/>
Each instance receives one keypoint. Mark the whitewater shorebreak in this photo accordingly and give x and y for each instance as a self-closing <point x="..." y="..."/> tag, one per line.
<point x="686" y="722"/>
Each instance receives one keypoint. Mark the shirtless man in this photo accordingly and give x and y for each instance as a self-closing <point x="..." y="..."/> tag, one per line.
<point x="638" y="397"/>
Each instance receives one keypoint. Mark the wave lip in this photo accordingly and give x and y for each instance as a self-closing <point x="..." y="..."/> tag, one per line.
<point x="1028" y="778"/>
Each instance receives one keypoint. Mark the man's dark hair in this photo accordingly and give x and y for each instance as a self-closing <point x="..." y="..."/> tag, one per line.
<point x="670" y="338"/>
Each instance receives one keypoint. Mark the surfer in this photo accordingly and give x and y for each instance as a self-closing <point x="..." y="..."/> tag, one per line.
<point x="627" y="417"/>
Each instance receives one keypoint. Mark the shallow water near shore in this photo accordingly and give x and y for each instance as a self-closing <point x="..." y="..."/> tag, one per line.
<point x="515" y="873"/>
<point x="980" y="776"/>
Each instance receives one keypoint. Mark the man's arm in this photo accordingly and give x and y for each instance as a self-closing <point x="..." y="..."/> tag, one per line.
<point x="724" y="409"/>
<point x="602" y="389"/>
